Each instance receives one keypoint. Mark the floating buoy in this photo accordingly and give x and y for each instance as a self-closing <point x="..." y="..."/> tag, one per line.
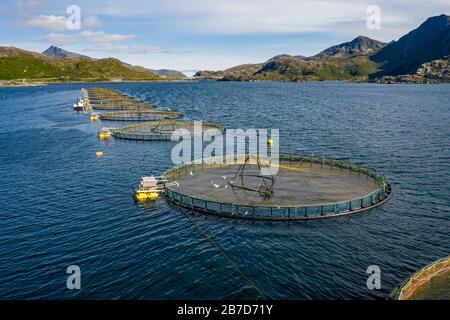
<point x="104" y="134"/>
<point x="144" y="196"/>
<point x="99" y="154"/>
<point x="94" y="117"/>
<point x="270" y="142"/>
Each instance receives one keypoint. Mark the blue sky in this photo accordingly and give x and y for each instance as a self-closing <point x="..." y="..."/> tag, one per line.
<point x="204" y="34"/>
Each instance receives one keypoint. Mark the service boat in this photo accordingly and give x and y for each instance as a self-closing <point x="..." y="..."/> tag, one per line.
<point x="150" y="187"/>
<point x="79" y="105"/>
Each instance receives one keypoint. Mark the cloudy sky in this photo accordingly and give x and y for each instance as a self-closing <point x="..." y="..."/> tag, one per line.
<point x="204" y="34"/>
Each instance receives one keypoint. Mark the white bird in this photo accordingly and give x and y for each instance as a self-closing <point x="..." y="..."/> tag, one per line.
<point x="224" y="178"/>
<point x="191" y="173"/>
<point x="216" y="186"/>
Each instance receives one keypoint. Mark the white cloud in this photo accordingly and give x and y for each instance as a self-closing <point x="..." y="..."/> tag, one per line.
<point x="59" y="39"/>
<point x="101" y="36"/>
<point x="51" y="22"/>
<point x="132" y="49"/>
<point x="238" y="17"/>
<point x="92" y="22"/>
<point x="235" y="17"/>
<point x="28" y="5"/>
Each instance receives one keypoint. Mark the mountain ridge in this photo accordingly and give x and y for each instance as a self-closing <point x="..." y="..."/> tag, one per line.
<point x="430" y="41"/>
<point x="57" y="64"/>
<point x="361" y="59"/>
<point x="359" y="45"/>
<point x="59" y="53"/>
<point x="340" y="62"/>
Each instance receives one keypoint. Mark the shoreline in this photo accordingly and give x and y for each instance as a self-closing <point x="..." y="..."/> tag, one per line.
<point x="5" y="84"/>
<point x="13" y="84"/>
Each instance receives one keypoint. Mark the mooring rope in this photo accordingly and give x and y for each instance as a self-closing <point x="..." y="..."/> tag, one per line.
<point x="262" y="294"/>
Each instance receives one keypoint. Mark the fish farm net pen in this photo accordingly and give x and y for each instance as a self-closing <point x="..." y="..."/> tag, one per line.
<point x="434" y="275"/>
<point x="159" y="130"/>
<point x="233" y="264"/>
<point x="304" y="188"/>
<point x="117" y="106"/>
<point x="140" y="115"/>
<point x="107" y="99"/>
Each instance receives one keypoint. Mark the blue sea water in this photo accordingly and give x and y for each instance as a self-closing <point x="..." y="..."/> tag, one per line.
<point x="61" y="205"/>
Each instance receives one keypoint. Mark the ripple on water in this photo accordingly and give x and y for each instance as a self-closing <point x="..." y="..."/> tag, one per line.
<point x="61" y="205"/>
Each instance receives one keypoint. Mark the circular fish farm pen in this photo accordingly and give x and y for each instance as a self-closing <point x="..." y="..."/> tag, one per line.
<point x="122" y="106"/>
<point x="159" y="130"/>
<point x="430" y="283"/>
<point x="303" y="188"/>
<point x="140" y="115"/>
<point x="107" y="99"/>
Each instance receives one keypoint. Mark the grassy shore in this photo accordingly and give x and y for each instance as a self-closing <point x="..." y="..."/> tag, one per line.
<point x="45" y="82"/>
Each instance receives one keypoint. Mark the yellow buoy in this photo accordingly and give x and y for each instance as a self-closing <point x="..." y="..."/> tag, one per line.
<point x="104" y="133"/>
<point x="144" y="196"/>
<point x="104" y="136"/>
<point x="99" y="154"/>
<point x="270" y="142"/>
<point x="93" y="117"/>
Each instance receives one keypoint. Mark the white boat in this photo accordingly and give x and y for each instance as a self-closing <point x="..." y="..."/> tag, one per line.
<point x="79" y="105"/>
<point x="150" y="187"/>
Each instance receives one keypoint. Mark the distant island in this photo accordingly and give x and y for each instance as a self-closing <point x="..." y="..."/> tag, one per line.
<point x="421" y="56"/>
<point x="27" y="68"/>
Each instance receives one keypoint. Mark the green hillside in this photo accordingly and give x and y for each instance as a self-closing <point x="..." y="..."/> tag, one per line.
<point x="18" y="64"/>
<point x="290" y="68"/>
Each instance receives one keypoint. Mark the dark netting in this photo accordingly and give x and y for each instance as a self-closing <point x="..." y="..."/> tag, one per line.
<point x="430" y="283"/>
<point x="140" y="115"/>
<point x="159" y="130"/>
<point x="107" y="99"/>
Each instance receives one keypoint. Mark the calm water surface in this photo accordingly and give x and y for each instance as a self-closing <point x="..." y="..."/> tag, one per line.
<point x="60" y="205"/>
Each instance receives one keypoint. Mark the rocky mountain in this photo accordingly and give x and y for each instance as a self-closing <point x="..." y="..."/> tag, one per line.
<point x="241" y="72"/>
<point x="343" y="62"/>
<point x="58" y="53"/>
<point x="362" y="59"/>
<point x="430" y="41"/>
<point x="436" y="71"/>
<point x="168" y="73"/>
<point x="358" y="46"/>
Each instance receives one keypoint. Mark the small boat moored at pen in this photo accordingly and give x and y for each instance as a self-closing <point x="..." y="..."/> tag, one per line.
<point x="104" y="133"/>
<point x="94" y="116"/>
<point x="149" y="188"/>
<point x="79" y="105"/>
